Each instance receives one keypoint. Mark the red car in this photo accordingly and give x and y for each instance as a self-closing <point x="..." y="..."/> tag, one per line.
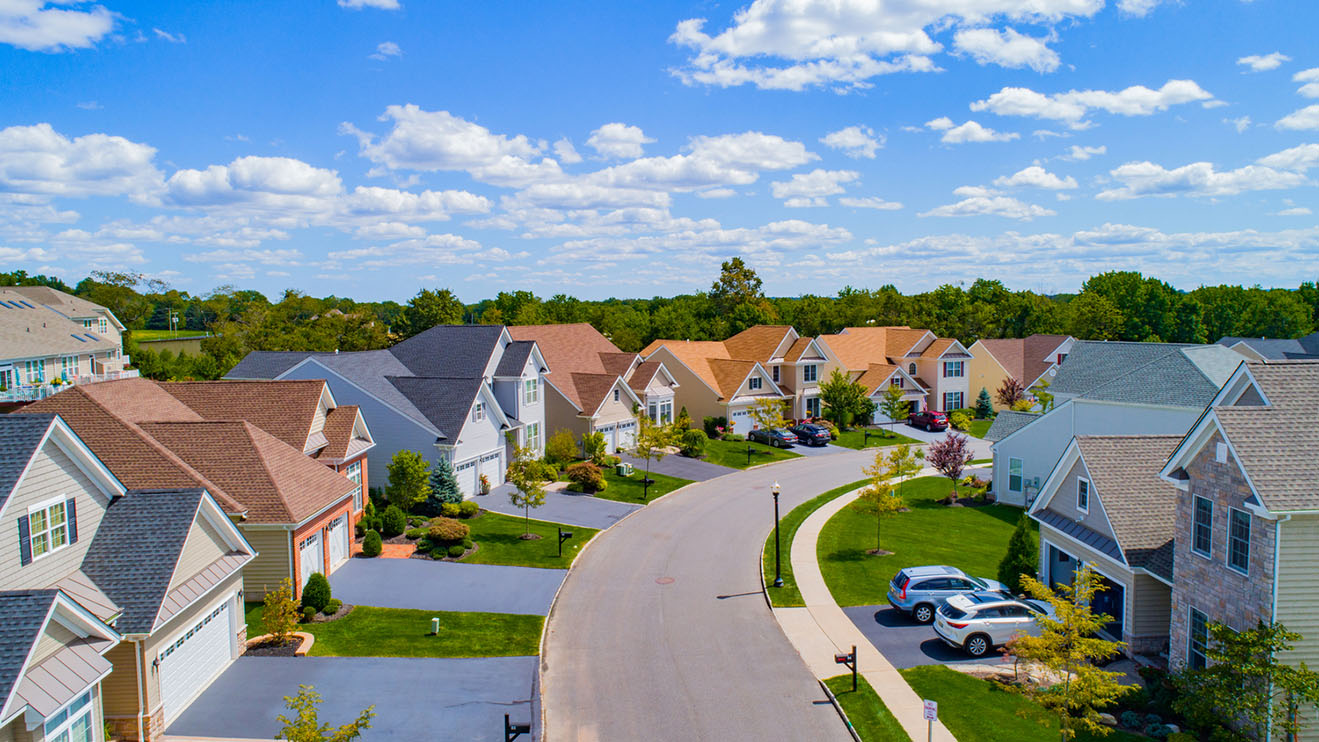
<point x="931" y="420"/>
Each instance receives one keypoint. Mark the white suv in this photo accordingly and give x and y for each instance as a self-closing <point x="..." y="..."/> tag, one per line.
<point x="980" y="621"/>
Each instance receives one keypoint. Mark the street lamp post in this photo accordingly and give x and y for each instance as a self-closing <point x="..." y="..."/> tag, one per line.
<point x="778" y="573"/>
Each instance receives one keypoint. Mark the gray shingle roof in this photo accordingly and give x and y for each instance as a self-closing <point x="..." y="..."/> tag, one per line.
<point x="135" y="550"/>
<point x="22" y="617"/>
<point x="266" y="364"/>
<point x="444" y="402"/>
<point x="19" y="437"/>
<point x="1279" y="349"/>
<point x="1173" y="374"/>
<point x="1124" y="471"/>
<point x="514" y="358"/>
<point x="449" y="351"/>
<point x="1008" y="422"/>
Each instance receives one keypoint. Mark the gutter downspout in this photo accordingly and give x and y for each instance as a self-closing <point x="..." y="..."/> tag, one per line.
<point x="1273" y="610"/>
<point x="138" y="648"/>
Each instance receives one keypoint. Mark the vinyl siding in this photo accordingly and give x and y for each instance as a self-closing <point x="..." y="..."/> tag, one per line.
<point x="52" y="640"/>
<point x="615" y="412"/>
<point x="1100" y="563"/>
<point x="7" y="731"/>
<point x="1298" y="585"/>
<point x="121" y="687"/>
<point x="271" y="564"/>
<point x="318" y="419"/>
<point x="480" y="438"/>
<point x="692" y="392"/>
<point x="1063" y="502"/>
<point x="984" y="372"/>
<point x="561" y="415"/>
<point x="53" y="474"/>
<point x="200" y="550"/>
<point x="1150" y="604"/>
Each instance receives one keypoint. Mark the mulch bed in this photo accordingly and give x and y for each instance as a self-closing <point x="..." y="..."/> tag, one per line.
<point x="344" y="610"/>
<point x="426" y="555"/>
<point x="270" y="649"/>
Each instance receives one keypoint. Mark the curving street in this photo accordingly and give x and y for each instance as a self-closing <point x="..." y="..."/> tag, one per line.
<point x="660" y="630"/>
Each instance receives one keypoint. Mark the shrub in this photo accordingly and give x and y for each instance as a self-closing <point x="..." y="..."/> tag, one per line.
<point x="734" y="438"/>
<point x="456" y="551"/>
<point x="450" y="510"/>
<point x="332" y="607"/>
<point x="447" y="530"/>
<point x="468" y="509"/>
<point x="1157" y="730"/>
<point x="467" y="542"/>
<point x="587" y="477"/>
<point x="443" y="489"/>
<point x="369" y="511"/>
<point x="393" y="522"/>
<point x="692" y="443"/>
<point x="830" y="426"/>
<point x="439" y="552"/>
<point x="1023" y="405"/>
<point x="416" y="520"/>
<point x="316" y="593"/>
<point x="959" y="420"/>
<point x="415" y="533"/>
<point x="308" y="613"/>
<point x="280" y="616"/>
<point x="424" y="544"/>
<point x="593" y="446"/>
<point x="1132" y="720"/>
<point x="713" y="426"/>
<point x="360" y="528"/>
<point x="371" y="545"/>
<point x="1181" y="737"/>
<point x="561" y="449"/>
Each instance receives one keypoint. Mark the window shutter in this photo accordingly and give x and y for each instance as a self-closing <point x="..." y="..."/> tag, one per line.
<point x="24" y="541"/>
<point x="71" y="516"/>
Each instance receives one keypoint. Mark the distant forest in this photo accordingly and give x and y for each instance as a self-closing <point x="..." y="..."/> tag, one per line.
<point x="1119" y="305"/>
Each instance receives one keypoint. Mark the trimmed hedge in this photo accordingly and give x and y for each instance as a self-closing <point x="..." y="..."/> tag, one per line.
<point x="587" y="477"/>
<point x="371" y="545"/>
<point x="447" y="530"/>
<point x="393" y="522"/>
<point x="316" y="593"/>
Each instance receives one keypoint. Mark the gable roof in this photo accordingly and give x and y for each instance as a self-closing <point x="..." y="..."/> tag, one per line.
<point x="341" y="440"/>
<point x="22" y="617"/>
<point x="268" y="364"/>
<point x="29" y="329"/>
<point x="759" y="342"/>
<point x="1008" y="422"/>
<point x="858" y="347"/>
<point x="20" y="439"/>
<point x="1173" y="374"/>
<point x="66" y="304"/>
<point x="1141" y="507"/>
<point x="1279" y="349"/>
<point x="576" y="354"/>
<point x="643" y="374"/>
<point x="514" y="358"/>
<point x="723" y="366"/>
<point x="1025" y="359"/>
<point x="284" y="409"/>
<point x="449" y="351"/>
<point x="444" y="402"/>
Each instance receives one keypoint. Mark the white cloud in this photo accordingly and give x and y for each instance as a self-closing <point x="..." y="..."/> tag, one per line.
<point x="1311" y="79"/>
<point x="579" y="195"/>
<point x="854" y="141"/>
<point x="1241" y="123"/>
<point x="267" y="182"/>
<point x="566" y="153"/>
<point x="173" y="38"/>
<point x="717" y="193"/>
<point x="89" y="105"/>
<point x="359" y="4"/>
<point x="38" y="159"/>
<point x="1293" y="211"/>
<point x="1304" y="119"/>
<point x="619" y="141"/>
<point x="1078" y="153"/>
<point x="53" y="25"/>
<point x="1196" y="179"/>
<point x="1300" y="158"/>
<point x="1036" y="177"/>
<point x="1263" y="62"/>
<point x="970" y="131"/>
<point x="1073" y="106"/>
<point x="436" y="249"/>
<point x="385" y="50"/>
<point x="1006" y="48"/>
<point x="869" y="202"/>
<point x="981" y="201"/>
<point x="727" y="160"/>
<point x="1137" y="8"/>
<point x="812" y="189"/>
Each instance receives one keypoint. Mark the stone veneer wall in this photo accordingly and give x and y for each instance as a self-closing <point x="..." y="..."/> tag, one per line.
<point x="1208" y="584"/>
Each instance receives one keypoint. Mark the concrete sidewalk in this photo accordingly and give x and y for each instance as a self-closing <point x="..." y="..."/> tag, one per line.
<point x="822" y="628"/>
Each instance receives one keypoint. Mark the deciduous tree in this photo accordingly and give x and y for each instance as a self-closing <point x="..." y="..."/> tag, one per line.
<point x="279" y="616"/>
<point x="306" y="725"/>
<point x="950" y="455"/>
<point x="651" y="441"/>
<point x="768" y="414"/>
<point x="428" y="309"/>
<point x="880" y="497"/>
<point x="408" y="480"/>
<point x="894" y="407"/>
<point x="527" y="475"/>
<point x="1010" y="392"/>
<point x="843" y="398"/>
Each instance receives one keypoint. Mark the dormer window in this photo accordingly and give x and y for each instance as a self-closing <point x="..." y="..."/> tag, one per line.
<point x="775" y="373"/>
<point x="478" y="412"/>
<point x="103" y="325"/>
<point x="911" y="369"/>
<point x="530" y="391"/>
<point x="754" y="383"/>
<point x="1083" y="495"/>
<point x="47" y="527"/>
<point x="895" y="381"/>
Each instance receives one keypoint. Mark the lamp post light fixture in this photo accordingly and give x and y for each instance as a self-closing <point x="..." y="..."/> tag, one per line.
<point x="778" y="573"/>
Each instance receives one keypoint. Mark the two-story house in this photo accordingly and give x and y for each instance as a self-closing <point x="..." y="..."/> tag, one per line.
<point x="711" y="383"/>
<point x="50" y="340"/>
<point x="934" y="368"/>
<point x="129" y="602"/>
<point x="1029" y="360"/>
<point x="454" y="392"/>
<point x="593" y="387"/>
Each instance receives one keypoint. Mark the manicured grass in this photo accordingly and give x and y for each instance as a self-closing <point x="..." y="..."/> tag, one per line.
<point x="972" y="538"/>
<point x="734" y="453"/>
<point x="977" y="462"/>
<point x="856" y="439"/>
<point x="788" y="596"/>
<point x="399" y="632"/>
<point x="166" y="334"/>
<point x="499" y="538"/>
<point x="979" y="428"/>
<point x="629" y="489"/>
<point x="869" y="716"/>
<point x="976" y="710"/>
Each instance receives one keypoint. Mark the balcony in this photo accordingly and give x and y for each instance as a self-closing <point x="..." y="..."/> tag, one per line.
<point x="39" y="391"/>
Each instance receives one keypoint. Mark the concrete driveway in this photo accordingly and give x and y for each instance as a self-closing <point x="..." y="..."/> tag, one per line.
<point x="446" y="586"/>
<point x="451" y="699"/>
<point x="560" y="507"/>
<point x="905" y="643"/>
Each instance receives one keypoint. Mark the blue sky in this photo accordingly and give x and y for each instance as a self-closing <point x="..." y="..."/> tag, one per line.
<point x="370" y="148"/>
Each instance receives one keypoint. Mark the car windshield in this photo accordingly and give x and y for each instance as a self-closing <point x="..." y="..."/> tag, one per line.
<point x="1036" y="606"/>
<point x="951" y="611"/>
<point x="979" y="583"/>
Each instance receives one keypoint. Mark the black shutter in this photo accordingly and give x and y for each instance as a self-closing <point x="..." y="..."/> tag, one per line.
<point x="71" y="517"/>
<point x="24" y="541"/>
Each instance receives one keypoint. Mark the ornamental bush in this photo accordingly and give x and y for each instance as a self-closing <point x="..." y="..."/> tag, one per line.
<point x="443" y="489"/>
<point x="371" y="545"/>
<point x="456" y="551"/>
<point x="280" y="617"/>
<point x="332" y="607"/>
<point x="714" y="426"/>
<point x="959" y="420"/>
<point x="415" y="533"/>
<point x="561" y="449"/>
<point x="468" y="509"/>
<point x="450" y="510"/>
<point x="316" y="593"/>
<point x="587" y="477"/>
<point x="393" y="521"/>
<point x="692" y="443"/>
<point x="308" y="614"/>
<point x="447" y="530"/>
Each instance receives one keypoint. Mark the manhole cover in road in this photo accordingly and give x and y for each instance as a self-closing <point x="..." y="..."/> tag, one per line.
<point x="664" y="580"/>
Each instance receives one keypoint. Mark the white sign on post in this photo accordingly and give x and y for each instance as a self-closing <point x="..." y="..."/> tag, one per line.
<point x="931" y="711"/>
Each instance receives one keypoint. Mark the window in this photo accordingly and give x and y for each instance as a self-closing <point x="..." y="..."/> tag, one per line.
<point x="952" y="400"/>
<point x="530" y="391"/>
<point x="775" y="373"/>
<point x="1238" y="540"/>
<point x="6" y="378"/>
<point x="34" y="371"/>
<point x="87" y="324"/>
<point x="618" y="395"/>
<point x="813" y="407"/>
<point x="1083" y="495"/>
<point x="754" y="383"/>
<point x="1014" y="475"/>
<point x="68" y="367"/>
<point x="1202" y="526"/>
<point x="1199" y="640"/>
<point x="1061" y="357"/>
<point x="1220" y="453"/>
<point x="533" y="436"/>
<point x="954" y="369"/>
<point x="652" y="411"/>
<point x="895" y="381"/>
<point x="73" y="723"/>
<point x="102" y="325"/>
<point x="48" y="528"/>
<point x="810" y="373"/>
<point x="666" y="412"/>
<point x="354" y="474"/>
<point x="478" y="412"/>
<point x="911" y="369"/>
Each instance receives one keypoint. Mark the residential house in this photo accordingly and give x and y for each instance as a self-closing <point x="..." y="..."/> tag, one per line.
<point x="126" y="603"/>
<point x="453" y="392"/>
<point x="1247" y="513"/>
<point x="934" y="369"/>
<point x="594" y="387"/>
<point x="1106" y="388"/>
<point x="295" y="510"/>
<point x="50" y="340"/>
<point x="1104" y="507"/>
<point x="1275" y="349"/>
<point x="1029" y="360"/>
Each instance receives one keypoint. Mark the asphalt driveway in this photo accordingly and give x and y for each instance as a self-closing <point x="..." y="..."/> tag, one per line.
<point x="445" y="586"/>
<point x="905" y="643"/>
<point x="560" y="507"/>
<point x="681" y="467"/>
<point x="451" y="699"/>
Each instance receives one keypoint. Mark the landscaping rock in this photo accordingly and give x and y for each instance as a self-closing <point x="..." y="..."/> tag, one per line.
<point x="1107" y="719"/>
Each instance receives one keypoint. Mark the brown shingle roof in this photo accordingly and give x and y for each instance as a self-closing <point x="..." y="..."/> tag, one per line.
<point x="798" y="349"/>
<point x="642" y="375"/>
<point x="729" y="374"/>
<point x="136" y="400"/>
<point x="858" y="347"/>
<point x="1023" y="358"/>
<point x="937" y="348"/>
<point x="284" y="409"/>
<point x="1124" y="471"/>
<point x="757" y="343"/>
<point x="573" y="350"/>
<point x="876" y="376"/>
<point x="339" y="423"/>
<point x="696" y="355"/>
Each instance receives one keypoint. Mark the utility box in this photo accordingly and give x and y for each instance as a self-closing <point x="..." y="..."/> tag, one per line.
<point x="623" y="469"/>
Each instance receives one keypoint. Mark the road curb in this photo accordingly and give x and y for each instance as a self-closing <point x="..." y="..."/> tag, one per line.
<point x="839" y="708"/>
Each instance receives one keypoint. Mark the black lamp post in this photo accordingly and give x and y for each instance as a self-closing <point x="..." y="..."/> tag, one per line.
<point x="778" y="573"/>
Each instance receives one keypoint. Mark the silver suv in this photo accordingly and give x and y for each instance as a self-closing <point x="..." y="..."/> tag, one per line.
<point x="918" y="591"/>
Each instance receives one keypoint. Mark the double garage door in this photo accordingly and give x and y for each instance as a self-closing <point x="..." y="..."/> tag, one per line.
<point x="198" y="653"/>
<point x="620" y="437"/>
<point x="469" y="473"/>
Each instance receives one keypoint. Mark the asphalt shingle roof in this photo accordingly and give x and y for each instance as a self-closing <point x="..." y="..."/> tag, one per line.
<point x="22" y="617"/>
<point x="444" y="402"/>
<point x="267" y="364"/>
<point x="1175" y="374"/>
<point x="285" y="409"/>
<point x="1008" y="422"/>
<point x="449" y="351"/>
<point x="1024" y="358"/>
<point x="1279" y="349"/>
<point x="20" y="435"/>
<point x="514" y="358"/>
<point x="575" y="354"/>
<point x="1124" y="471"/>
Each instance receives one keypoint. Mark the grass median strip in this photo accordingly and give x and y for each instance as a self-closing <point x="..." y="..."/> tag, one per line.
<point x="856" y="439"/>
<point x="870" y="718"/>
<point x="788" y="596"/>
<point x="734" y="454"/>
<point x="500" y="539"/>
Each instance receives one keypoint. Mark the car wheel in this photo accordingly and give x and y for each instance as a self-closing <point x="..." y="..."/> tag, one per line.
<point x="923" y="613"/>
<point x="977" y="645"/>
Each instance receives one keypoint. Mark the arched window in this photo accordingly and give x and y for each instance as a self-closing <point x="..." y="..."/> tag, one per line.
<point x="911" y="369"/>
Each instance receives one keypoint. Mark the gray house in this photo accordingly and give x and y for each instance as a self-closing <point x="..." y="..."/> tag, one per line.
<point x="1275" y="349"/>
<point x="453" y="392"/>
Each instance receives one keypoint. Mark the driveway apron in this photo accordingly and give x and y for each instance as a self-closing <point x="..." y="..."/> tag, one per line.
<point x="681" y="467"/>
<point x="446" y="586"/>
<point x="575" y="509"/>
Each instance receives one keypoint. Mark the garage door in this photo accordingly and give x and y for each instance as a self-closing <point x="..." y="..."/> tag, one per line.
<point x="466" y="475"/>
<point x="337" y="534"/>
<point x="491" y="469"/>
<point x="311" y="556"/>
<point x="199" y="653"/>
<point x="610" y="433"/>
<point x="627" y="435"/>
<point x="741" y="420"/>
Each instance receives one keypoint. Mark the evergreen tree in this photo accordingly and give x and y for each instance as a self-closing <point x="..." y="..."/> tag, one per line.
<point x="444" y="489"/>
<point x="1021" y="558"/>
<point x="984" y="405"/>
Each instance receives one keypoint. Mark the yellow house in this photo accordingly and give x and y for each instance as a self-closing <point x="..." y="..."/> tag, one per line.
<point x="1028" y="360"/>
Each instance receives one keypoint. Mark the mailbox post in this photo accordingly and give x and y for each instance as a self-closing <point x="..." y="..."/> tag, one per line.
<point x="513" y="731"/>
<point x="848" y="660"/>
<point x="563" y="536"/>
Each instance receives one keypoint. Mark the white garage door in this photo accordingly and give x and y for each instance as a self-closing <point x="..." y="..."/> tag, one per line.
<point x="199" y="653"/>
<point x="741" y="420"/>
<point x="466" y="475"/>
<point x="627" y="435"/>
<point x="491" y="469"/>
<point x="610" y="432"/>
<point x="338" y="536"/>
<point x="311" y="556"/>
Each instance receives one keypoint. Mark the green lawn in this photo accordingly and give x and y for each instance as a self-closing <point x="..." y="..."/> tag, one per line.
<point x="973" y="539"/>
<point x="498" y="537"/>
<point x="857" y="439"/>
<point x="166" y="334"/>
<point x="398" y="632"/>
<point x="628" y="489"/>
<point x="734" y="453"/>
<point x="980" y="427"/>
<point x="869" y="716"/>
<point x="788" y="596"/>
<point x="976" y="710"/>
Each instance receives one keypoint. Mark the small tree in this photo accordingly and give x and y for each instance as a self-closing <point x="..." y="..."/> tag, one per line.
<point x="684" y="421"/>
<point x="950" y="456"/>
<point x="306" y="726"/>
<point x="526" y="474"/>
<point x="880" y="497"/>
<point x="393" y="522"/>
<point x="843" y="398"/>
<point x="894" y="407"/>
<point x="316" y="593"/>
<point x="443" y="489"/>
<point x="280" y="616"/>
<point x="768" y="414"/>
<point x="984" y="405"/>
<point x="371" y="544"/>
<point x="904" y="462"/>
<point x="593" y="448"/>
<point x="1010" y="392"/>
<point x="650" y="442"/>
<point x="1042" y="395"/>
<point x="1022" y="556"/>
<point x="1068" y="647"/>
<point x="408" y="475"/>
<point x="561" y="449"/>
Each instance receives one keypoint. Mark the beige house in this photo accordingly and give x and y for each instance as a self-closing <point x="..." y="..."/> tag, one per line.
<point x="162" y="568"/>
<point x="50" y="340"/>
<point x="937" y="366"/>
<point x="1029" y="360"/>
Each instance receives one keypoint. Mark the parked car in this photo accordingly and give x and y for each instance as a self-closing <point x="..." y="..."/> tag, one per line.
<point x="811" y="434"/>
<point x="918" y="591"/>
<point x="773" y="437"/>
<point x="978" y="622"/>
<point x="932" y="420"/>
